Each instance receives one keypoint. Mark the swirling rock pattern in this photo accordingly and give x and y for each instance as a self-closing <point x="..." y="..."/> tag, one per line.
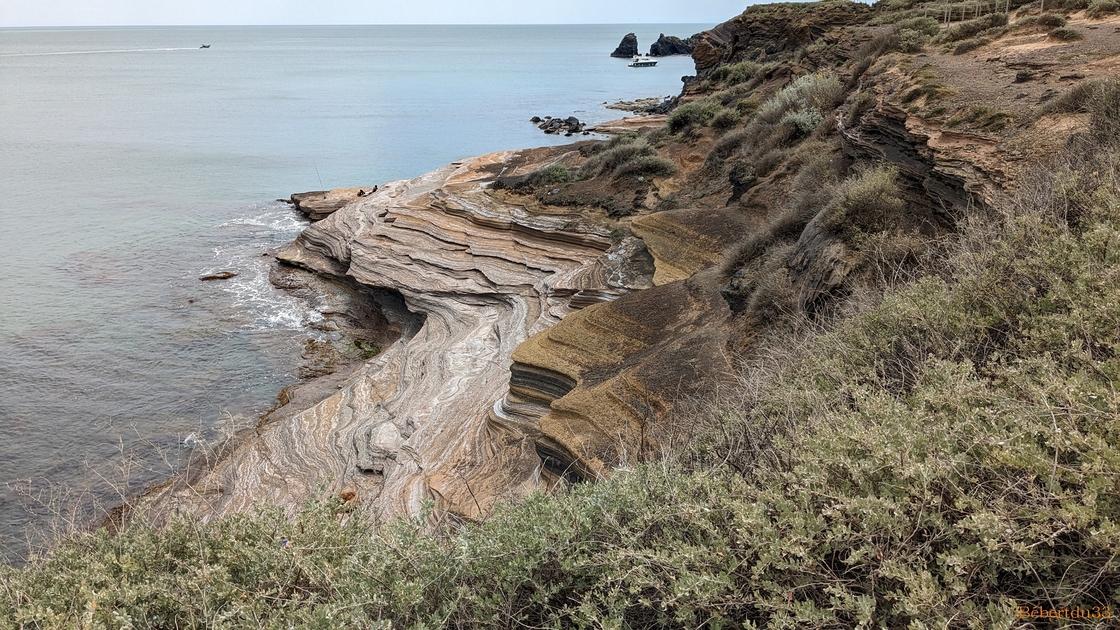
<point x="428" y="418"/>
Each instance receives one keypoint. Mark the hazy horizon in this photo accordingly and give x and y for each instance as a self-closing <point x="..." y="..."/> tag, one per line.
<point x="106" y="13"/>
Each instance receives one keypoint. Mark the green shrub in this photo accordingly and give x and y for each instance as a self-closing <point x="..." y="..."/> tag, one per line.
<point x="812" y="91"/>
<point x="865" y="203"/>
<point x="806" y="120"/>
<point x="612" y="157"/>
<point x="970" y="45"/>
<point x="554" y="173"/>
<point x="735" y="73"/>
<point x="1051" y="20"/>
<point x="1101" y="9"/>
<point x="914" y="33"/>
<point x="1066" y="34"/>
<point x="727" y="144"/>
<point x="911" y="41"/>
<point x="647" y="166"/>
<point x="924" y="25"/>
<point x="725" y="119"/>
<point x="1077" y="99"/>
<point x="694" y="114"/>
<point x="1068" y="5"/>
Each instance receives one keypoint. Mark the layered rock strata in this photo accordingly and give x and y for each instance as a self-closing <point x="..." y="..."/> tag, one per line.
<point x="764" y="31"/>
<point x="428" y="418"/>
<point x="319" y="204"/>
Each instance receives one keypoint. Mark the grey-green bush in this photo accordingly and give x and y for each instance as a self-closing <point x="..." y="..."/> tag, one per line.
<point x="694" y="114"/>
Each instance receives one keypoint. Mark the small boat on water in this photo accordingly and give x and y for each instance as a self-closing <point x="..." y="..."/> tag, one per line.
<point x="642" y="61"/>
<point x="204" y="46"/>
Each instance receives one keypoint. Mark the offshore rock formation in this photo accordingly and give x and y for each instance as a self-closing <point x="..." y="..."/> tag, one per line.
<point x="428" y="418"/>
<point x="628" y="47"/>
<point x="669" y="45"/>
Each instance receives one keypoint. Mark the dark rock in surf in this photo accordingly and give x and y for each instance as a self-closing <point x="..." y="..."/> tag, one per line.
<point x="566" y="126"/>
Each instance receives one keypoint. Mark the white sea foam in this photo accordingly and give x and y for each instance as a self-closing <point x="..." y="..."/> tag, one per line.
<point x="265" y="306"/>
<point x="275" y="216"/>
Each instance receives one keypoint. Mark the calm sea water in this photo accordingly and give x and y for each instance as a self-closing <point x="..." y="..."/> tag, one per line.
<point x="132" y="162"/>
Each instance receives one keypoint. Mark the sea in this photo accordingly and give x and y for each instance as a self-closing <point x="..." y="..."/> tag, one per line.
<point x="133" y="162"/>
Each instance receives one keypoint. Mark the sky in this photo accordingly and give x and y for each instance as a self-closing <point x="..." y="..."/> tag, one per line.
<point x="247" y="12"/>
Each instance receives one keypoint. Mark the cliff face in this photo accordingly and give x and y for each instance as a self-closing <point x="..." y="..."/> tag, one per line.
<point x="771" y="30"/>
<point x="562" y="303"/>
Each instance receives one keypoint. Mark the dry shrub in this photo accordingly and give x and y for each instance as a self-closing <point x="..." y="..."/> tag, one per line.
<point x="1101" y="9"/>
<point x="612" y="157"/>
<point x="646" y="166"/>
<point x="971" y="28"/>
<point x="1066" y="34"/>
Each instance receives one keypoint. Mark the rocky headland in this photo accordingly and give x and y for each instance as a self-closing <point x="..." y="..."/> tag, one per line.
<point x="667" y="45"/>
<point x="432" y="415"/>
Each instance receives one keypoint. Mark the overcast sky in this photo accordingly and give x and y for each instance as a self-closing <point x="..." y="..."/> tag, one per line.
<point x="151" y="12"/>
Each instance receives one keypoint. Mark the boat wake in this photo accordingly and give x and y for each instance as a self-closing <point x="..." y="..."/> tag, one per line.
<point x="94" y="52"/>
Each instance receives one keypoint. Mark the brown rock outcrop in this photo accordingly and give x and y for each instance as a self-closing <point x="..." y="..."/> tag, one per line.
<point x="671" y="45"/>
<point x="611" y="373"/>
<point x="319" y="204"/>
<point x="684" y="242"/>
<point x="771" y="29"/>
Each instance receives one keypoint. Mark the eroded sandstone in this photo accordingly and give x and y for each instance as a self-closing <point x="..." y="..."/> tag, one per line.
<point x="428" y="418"/>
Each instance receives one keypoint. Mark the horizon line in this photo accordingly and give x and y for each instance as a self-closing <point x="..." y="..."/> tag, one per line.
<point x="64" y="26"/>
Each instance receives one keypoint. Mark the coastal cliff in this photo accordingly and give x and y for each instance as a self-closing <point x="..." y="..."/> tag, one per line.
<point x="832" y="344"/>
<point x="551" y="328"/>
